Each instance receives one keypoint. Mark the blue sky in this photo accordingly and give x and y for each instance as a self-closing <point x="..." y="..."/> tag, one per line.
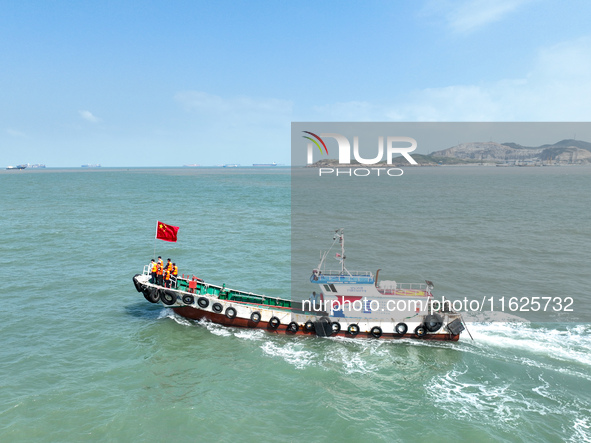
<point x="159" y="83"/>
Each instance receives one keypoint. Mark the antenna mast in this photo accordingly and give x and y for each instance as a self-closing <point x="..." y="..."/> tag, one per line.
<point x="342" y="240"/>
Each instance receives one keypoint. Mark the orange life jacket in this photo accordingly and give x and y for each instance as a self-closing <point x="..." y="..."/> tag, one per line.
<point x="154" y="267"/>
<point x="168" y="266"/>
<point x="175" y="270"/>
<point x="159" y="269"/>
<point x="167" y="275"/>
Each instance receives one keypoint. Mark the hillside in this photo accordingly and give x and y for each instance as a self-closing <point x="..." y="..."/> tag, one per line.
<point x="422" y="160"/>
<point x="563" y="152"/>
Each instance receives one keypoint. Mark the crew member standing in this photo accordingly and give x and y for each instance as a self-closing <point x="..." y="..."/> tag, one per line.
<point x="166" y="278"/>
<point x="153" y="270"/>
<point x="175" y="273"/>
<point x="314" y="299"/>
<point x="159" y="272"/>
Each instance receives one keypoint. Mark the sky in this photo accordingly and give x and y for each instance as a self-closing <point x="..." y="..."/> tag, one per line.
<point x="155" y="83"/>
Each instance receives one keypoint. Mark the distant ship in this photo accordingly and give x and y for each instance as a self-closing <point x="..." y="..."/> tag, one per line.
<point x="231" y="166"/>
<point x="37" y="166"/>
<point x="91" y="166"/>
<point x="264" y="165"/>
<point x="17" y="167"/>
<point x="193" y="165"/>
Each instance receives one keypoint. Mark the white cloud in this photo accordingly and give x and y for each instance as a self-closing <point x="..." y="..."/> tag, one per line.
<point x="556" y="88"/>
<point x="209" y="103"/>
<point x="88" y="116"/>
<point x="348" y="111"/>
<point x="453" y="103"/>
<point x="469" y="15"/>
<point x="14" y="133"/>
<point x="228" y="125"/>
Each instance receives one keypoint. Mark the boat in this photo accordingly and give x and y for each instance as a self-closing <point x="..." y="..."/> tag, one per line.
<point x="91" y="166"/>
<point x="231" y="165"/>
<point x="264" y="165"/>
<point x="349" y="304"/>
<point x="16" y="167"/>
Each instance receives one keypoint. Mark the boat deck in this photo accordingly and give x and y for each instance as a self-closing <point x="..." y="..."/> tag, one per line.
<point x="192" y="285"/>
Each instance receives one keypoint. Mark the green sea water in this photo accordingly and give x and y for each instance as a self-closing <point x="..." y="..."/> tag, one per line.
<point x="84" y="357"/>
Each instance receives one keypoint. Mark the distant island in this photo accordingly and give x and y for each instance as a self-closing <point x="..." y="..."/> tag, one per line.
<point x="564" y="152"/>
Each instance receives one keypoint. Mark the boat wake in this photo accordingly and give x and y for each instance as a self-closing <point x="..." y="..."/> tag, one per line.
<point x="169" y="313"/>
<point x="511" y="374"/>
<point x="293" y="353"/>
<point x="506" y="405"/>
<point x="525" y="377"/>
<point x="564" y="348"/>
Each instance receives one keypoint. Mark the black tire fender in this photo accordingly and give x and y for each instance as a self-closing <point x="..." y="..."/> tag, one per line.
<point x="136" y="283"/>
<point x="255" y="317"/>
<point x="203" y="302"/>
<point x="335" y="327"/>
<point x="217" y="308"/>
<point x="420" y="331"/>
<point x="353" y="329"/>
<point x="167" y="297"/>
<point x="323" y="327"/>
<point x="151" y="294"/>
<point x="188" y="299"/>
<point x="433" y="322"/>
<point x="309" y="326"/>
<point x="274" y="322"/>
<point x="401" y="328"/>
<point x="231" y="313"/>
<point x="376" y="332"/>
<point x="293" y="327"/>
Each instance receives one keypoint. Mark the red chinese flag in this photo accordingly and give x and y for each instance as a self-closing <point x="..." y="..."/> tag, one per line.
<point x="166" y="232"/>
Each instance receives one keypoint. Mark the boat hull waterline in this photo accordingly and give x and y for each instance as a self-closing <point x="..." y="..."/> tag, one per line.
<point x="196" y="300"/>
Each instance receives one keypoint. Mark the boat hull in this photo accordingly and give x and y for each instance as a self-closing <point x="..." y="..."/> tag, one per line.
<point x="192" y="313"/>
<point x="285" y="320"/>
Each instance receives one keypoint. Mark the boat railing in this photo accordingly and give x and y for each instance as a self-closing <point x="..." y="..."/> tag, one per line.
<point x="421" y="286"/>
<point x="341" y="277"/>
<point x="351" y="273"/>
<point x="406" y="289"/>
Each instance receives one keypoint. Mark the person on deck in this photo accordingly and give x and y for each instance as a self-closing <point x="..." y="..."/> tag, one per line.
<point x="175" y="273"/>
<point x="314" y="301"/>
<point x="168" y="265"/>
<point x="159" y="273"/>
<point x="166" y="278"/>
<point x="153" y="270"/>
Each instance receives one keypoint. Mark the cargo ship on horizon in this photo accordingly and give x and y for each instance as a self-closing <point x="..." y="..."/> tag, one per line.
<point x="264" y="165"/>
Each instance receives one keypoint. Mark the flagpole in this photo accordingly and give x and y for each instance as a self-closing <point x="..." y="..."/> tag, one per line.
<point x="155" y="235"/>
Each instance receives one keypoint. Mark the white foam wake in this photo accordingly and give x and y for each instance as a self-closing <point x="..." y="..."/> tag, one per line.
<point x="569" y="344"/>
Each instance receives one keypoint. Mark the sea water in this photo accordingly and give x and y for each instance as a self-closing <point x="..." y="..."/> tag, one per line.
<point x="84" y="357"/>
